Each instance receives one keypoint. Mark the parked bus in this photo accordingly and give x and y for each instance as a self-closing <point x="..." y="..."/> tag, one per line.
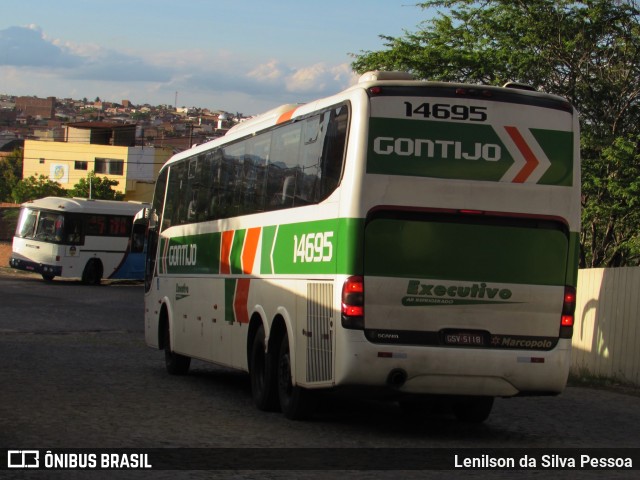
<point x="81" y="238"/>
<point x="418" y="238"/>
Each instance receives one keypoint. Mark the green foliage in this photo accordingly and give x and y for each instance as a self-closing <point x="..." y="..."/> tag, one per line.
<point x="611" y="210"/>
<point x="96" y="187"/>
<point x="588" y="52"/>
<point x="33" y="187"/>
<point x="10" y="174"/>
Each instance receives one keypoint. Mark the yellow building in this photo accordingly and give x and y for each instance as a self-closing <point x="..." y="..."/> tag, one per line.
<point x="134" y="167"/>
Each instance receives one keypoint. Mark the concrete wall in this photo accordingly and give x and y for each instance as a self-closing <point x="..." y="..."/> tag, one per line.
<point x="606" y="335"/>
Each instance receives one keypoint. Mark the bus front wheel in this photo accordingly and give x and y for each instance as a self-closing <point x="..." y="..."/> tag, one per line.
<point x="175" y="363"/>
<point x="296" y="403"/>
<point x="262" y="374"/>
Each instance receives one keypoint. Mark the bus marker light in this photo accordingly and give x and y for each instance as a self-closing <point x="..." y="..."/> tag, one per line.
<point x="567" y="320"/>
<point x="353" y="303"/>
<point x="568" y="311"/>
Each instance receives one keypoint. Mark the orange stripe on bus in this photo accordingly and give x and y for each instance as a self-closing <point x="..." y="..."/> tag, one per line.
<point x="241" y="299"/>
<point x="531" y="162"/>
<point x="286" y="116"/>
<point x="225" y="251"/>
<point x="250" y="248"/>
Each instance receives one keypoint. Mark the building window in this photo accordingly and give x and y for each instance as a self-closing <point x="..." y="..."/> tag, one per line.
<point x="109" y="166"/>
<point x="41" y="161"/>
<point x="80" y="165"/>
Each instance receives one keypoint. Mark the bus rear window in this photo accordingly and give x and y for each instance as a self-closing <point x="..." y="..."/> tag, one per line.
<point x="470" y="249"/>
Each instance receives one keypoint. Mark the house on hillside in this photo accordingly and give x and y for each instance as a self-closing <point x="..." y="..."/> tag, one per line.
<point x="107" y="149"/>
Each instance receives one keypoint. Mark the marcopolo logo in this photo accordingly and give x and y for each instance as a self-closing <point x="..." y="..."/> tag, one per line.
<point x="182" y="291"/>
<point x="425" y="294"/>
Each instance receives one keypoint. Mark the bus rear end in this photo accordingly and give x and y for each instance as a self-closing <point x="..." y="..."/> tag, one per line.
<point x="471" y="201"/>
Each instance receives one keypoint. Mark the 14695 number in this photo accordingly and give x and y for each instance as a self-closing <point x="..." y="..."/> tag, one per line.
<point x="444" y="111"/>
<point x="313" y="247"/>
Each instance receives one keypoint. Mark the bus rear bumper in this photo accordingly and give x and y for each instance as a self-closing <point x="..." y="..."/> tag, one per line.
<point x="456" y="371"/>
<point x="41" y="268"/>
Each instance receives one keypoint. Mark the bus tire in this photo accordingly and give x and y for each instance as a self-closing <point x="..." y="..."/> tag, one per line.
<point x="92" y="273"/>
<point x="472" y="409"/>
<point x="175" y="363"/>
<point x="264" y="388"/>
<point x="296" y="403"/>
<point x="48" y="278"/>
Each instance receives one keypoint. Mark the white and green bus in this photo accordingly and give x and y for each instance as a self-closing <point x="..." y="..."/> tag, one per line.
<point x="416" y="239"/>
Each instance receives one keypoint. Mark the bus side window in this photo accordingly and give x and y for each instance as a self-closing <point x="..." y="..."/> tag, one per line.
<point x="137" y="238"/>
<point x="284" y="167"/>
<point x="174" y="206"/>
<point x="333" y="150"/>
<point x="73" y="230"/>
<point x="158" y="197"/>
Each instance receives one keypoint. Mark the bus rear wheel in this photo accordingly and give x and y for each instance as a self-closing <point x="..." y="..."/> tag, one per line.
<point x="264" y="388"/>
<point x="92" y="273"/>
<point x="472" y="409"/>
<point x="175" y="363"/>
<point x="296" y="403"/>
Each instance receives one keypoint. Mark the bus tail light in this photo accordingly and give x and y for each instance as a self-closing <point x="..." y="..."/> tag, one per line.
<point x="353" y="303"/>
<point x="568" y="311"/>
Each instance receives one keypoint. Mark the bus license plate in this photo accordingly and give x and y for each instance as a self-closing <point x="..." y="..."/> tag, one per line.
<point x="464" y="339"/>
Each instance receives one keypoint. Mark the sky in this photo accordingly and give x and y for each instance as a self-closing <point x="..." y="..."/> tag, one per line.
<point x="244" y="56"/>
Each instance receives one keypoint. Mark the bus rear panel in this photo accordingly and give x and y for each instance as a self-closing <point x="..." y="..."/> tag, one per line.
<point x="471" y="212"/>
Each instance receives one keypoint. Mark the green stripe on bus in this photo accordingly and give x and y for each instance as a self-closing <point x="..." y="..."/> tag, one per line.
<point x="321" y="247"/>
<point x="235" y="260"/>
<point x="436" y="149"/>
<point x="268" y="234"/>
<point x="558" y="147"/>
<point x="194" y="254"/>
<point x="459" y="151"/>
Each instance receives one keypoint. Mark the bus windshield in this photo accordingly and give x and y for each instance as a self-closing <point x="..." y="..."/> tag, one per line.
<point x="41" y="225"/>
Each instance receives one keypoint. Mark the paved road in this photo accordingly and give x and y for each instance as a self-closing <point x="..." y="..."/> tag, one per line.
<point x="76" y="373"/>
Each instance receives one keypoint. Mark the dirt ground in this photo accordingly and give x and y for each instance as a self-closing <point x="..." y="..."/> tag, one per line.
<point x="5" y="253"/>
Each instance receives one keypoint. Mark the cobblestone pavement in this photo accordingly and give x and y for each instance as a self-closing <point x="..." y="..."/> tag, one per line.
<point x="77" y="374"/>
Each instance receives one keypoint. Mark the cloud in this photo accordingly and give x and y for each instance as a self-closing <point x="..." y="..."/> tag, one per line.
<point x="108" y="65"/>
<point x="218" y="75"/>
<point x="317" y="79"/>
<point x="320" y="78"/>
<point x="27" y="47"/>
<point x="270" y="72"/>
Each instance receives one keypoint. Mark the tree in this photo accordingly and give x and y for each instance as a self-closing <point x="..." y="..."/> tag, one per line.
<point x="33" y="187"/>
<point x="10" y="174"/>
<point x="588" y="52"/>
<point x="97" y="188"/>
